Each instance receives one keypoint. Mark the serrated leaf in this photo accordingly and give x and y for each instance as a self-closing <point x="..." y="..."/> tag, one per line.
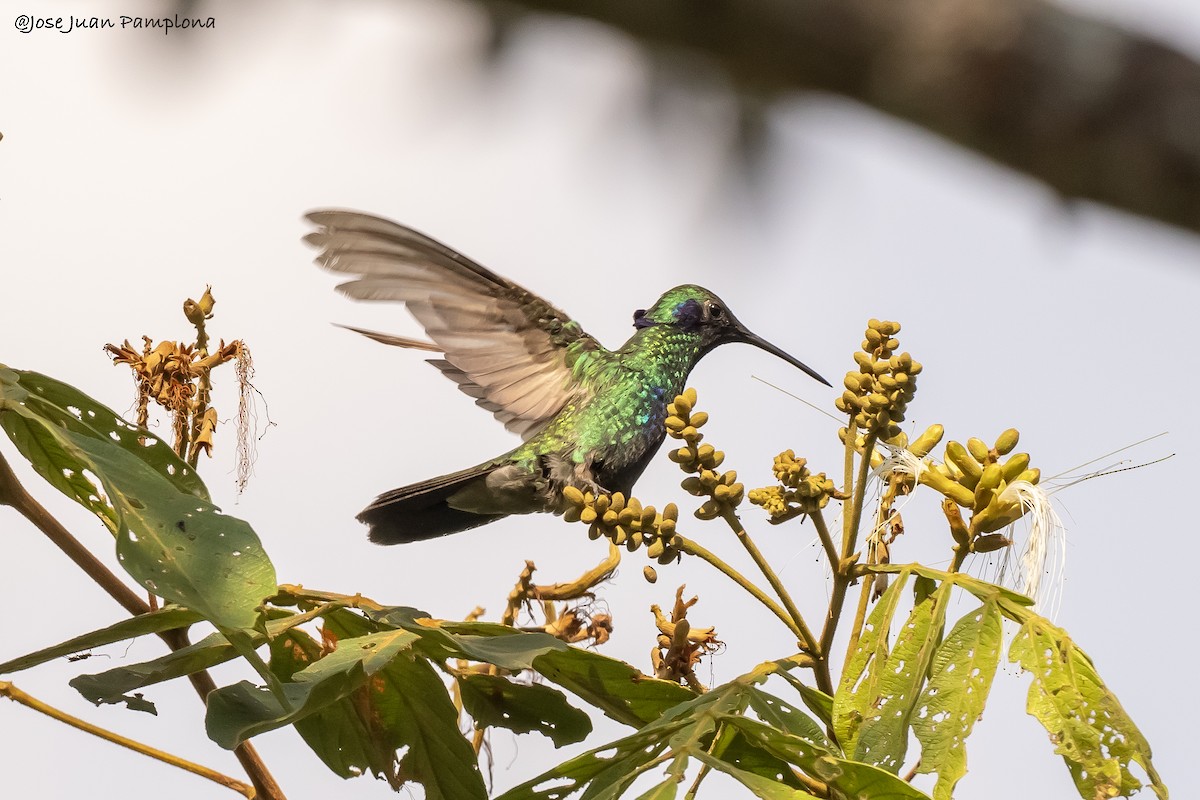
<point x="959" y="682"/>
<point x="164" y="619"/>
<point x="622" y="692"/>
<point x="176" y="544"/>
<point x="1090" y="729"/>
<point x="858" y="687"/>
<point x="883" y="736"/>
<point x="495" y="701"/>
<point x="243" y="710"/>
<point x="850" y="778"/>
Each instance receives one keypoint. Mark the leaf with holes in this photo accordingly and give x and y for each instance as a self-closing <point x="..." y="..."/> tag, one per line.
<point x="176" y="544"/>
<point x="784" y="716"/>
<point x="761" y="787"/>
<point x="67" y="407"/>
<point x="1090" y="729"/>
<point x="164" y="619"/>
<point x="619" y="690"/>
<point x="959" y="682"/>
<point x="883" y="736"/>
<point x="858" y="687"/>
<point x="606" y="771"/>
<point x="849" y="778"/>
<point x="496" y="701"/>
<point x="817" y="701"/>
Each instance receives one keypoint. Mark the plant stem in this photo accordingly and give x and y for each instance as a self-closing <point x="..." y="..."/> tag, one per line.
<point x="808" y="642"/>
<point x="854" y="518"/>
<point x="12" y="493"/>
<point x="826" y="539"/>
<point x="15" y="694"/>
<point x="842" y="574"/>
<point x="860" y="617"/>
<point x="693" y="548"/>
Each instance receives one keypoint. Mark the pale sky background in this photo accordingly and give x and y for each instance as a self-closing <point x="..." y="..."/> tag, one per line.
<point x="135" y="168"/>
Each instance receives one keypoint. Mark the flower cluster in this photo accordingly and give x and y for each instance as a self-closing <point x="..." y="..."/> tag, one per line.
<point x="800" y="491"/>
<point x="878" y="393"/>
<point x="625" y="522"/>
<point x="723" y="491"/>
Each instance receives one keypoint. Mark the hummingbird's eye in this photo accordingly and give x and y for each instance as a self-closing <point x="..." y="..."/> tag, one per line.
<point x="715" y="311"/>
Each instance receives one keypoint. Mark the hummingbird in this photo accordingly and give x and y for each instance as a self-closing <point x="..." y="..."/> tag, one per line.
<point x="588" y="417"/>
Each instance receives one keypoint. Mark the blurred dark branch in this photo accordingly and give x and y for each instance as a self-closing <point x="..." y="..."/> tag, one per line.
<point x="1094" y="111"/>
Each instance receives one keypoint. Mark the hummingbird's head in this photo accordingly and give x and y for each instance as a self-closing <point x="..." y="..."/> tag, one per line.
<point x="697" y="311"/>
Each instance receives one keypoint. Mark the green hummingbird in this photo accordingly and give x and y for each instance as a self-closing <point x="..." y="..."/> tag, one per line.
<point x="588" y="417"/>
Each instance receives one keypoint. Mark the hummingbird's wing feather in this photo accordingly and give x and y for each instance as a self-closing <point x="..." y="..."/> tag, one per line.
<point x="505" y="346"/>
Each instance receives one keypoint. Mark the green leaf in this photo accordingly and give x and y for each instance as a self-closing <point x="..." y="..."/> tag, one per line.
<point x="850" y="778"/>
<point x="732" y="747"/>
<point x="67" y="407"/>
<point x="175" y="543"/>
<point x="883" y="735"/>
<point x="817" y="701"/>
<point x="606" y="771"/>
<point x="1090" y="729"/>
<point x="959" y="682"/>
<point x="338" y="734"/>
<point x="112" y="685"/>
<point x="164" y="619"/>
<point x="403" y="705"/>
<point x="859" y="685"/>
<point x="784" y="716"/>
<point x="622" y="692"/>
<point x="426" y="722"/>
<point x="235" y="713"/>
<point x="115" y="685"/>
<point x="663" y="791"/>
<point x="760" y="786"/>
<point x="496" y="701"/>
<point x="488" y="642"/>
<point x="980" y="588"/>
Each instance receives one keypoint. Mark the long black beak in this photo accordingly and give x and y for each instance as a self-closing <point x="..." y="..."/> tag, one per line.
<point x="747" y="337"/>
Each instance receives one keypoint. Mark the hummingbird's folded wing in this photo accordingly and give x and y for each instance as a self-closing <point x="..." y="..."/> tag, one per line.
<point x="503" y="345"/>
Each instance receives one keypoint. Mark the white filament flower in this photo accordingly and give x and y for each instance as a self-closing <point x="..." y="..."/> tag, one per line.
<point x="1045" y="554"/>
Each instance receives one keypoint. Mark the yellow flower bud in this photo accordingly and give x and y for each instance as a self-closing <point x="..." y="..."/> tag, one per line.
<point x="1006" y="441"/>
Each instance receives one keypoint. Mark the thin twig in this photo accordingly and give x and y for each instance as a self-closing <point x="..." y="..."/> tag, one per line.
<point x="693" y="548"/>
<point x="15" y="694"/>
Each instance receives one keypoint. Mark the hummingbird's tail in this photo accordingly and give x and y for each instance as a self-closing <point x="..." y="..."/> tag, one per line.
<point x="420" y="511"/>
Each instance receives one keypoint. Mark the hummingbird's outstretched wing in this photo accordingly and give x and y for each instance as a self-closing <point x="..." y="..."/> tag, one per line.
<point x="503" y="345"/>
